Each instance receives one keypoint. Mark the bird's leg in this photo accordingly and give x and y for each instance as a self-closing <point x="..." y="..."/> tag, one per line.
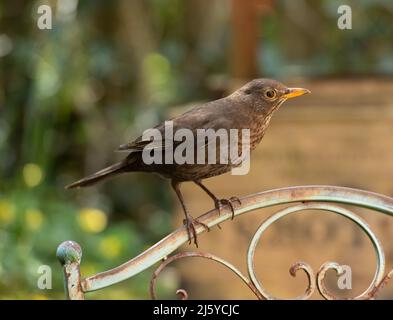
<point x="189" y="221"/>
<point x="219" y="203"/>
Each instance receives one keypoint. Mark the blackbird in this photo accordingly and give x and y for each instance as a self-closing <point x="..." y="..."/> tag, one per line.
<point x="250" y="107"/>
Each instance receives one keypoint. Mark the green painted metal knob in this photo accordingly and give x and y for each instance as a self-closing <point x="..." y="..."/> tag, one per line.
<point x="68" y="252"/>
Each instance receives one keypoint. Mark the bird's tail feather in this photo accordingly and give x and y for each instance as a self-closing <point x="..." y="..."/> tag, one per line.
<point x="98" y="176"/>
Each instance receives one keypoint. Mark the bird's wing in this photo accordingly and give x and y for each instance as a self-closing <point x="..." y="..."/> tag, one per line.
<point x="211" y="115"/>
<point x="139" y="145"/>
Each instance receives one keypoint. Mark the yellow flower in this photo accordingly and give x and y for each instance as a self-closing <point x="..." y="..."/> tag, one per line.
<point x="7" y="211"/>
<point x="39" y="297"/>
<point x="34" y="219"/>
<point x="110" y="247"/>
<point x="32" y="175"/>
<point x="92" y="220"/>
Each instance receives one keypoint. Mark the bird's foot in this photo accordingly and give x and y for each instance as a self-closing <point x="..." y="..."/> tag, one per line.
<point x="190" y="224"/>
<point x="220" y="203"/>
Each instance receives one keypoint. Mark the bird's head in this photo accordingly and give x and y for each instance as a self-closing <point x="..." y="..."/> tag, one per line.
<point x="267" y="95"/>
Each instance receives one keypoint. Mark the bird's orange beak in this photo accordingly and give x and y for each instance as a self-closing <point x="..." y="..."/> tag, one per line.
<point x="295" y="92"/>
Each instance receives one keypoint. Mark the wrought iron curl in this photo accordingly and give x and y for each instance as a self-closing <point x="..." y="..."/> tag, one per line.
<point x="313" y="281"/>
<point x="380" y="258"/>
<point x="182" y="292"/>
<point x="312" y="197"/>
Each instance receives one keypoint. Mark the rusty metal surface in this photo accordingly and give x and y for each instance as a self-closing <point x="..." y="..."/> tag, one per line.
<point x="69" y="254"/>
<point x="183" y="293"/>
<point x="265" y="199"/>
<point x="373" y="293"/>
<point x="314" y="282"/>
<point x="303" y="198"/>
<point x="380" y="258"/>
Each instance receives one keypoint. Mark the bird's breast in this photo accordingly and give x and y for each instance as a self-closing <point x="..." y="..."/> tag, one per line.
<point x="258" y="129"/>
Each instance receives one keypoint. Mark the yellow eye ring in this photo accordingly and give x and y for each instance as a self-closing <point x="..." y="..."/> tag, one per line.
<point x="270" y="94"/>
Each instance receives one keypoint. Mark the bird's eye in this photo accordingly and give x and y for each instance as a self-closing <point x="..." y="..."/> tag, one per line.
<point x="270" y="94"/>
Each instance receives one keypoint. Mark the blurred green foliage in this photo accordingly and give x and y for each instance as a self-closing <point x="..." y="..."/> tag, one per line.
<point x="107" y="70"/>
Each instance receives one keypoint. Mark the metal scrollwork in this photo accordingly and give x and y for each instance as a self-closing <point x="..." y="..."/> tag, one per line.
<point x="313" y="281"/>
<point x="183" y="293"/>
<point x="322" y="198"/>
<point x="379" y="274"/>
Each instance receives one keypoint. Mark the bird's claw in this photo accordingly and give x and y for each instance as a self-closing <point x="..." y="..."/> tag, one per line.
<point x="190" y="223"/>
<point x="229" y="202"/>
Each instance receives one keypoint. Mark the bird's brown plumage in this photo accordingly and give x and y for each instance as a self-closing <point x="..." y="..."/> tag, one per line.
<point x="250" y="107"/>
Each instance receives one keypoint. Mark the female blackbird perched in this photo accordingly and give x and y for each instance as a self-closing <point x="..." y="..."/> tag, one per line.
<point x="250" y="107"/>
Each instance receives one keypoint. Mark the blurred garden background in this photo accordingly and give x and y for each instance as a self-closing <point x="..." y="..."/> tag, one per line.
<point x="107" y="70"/>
